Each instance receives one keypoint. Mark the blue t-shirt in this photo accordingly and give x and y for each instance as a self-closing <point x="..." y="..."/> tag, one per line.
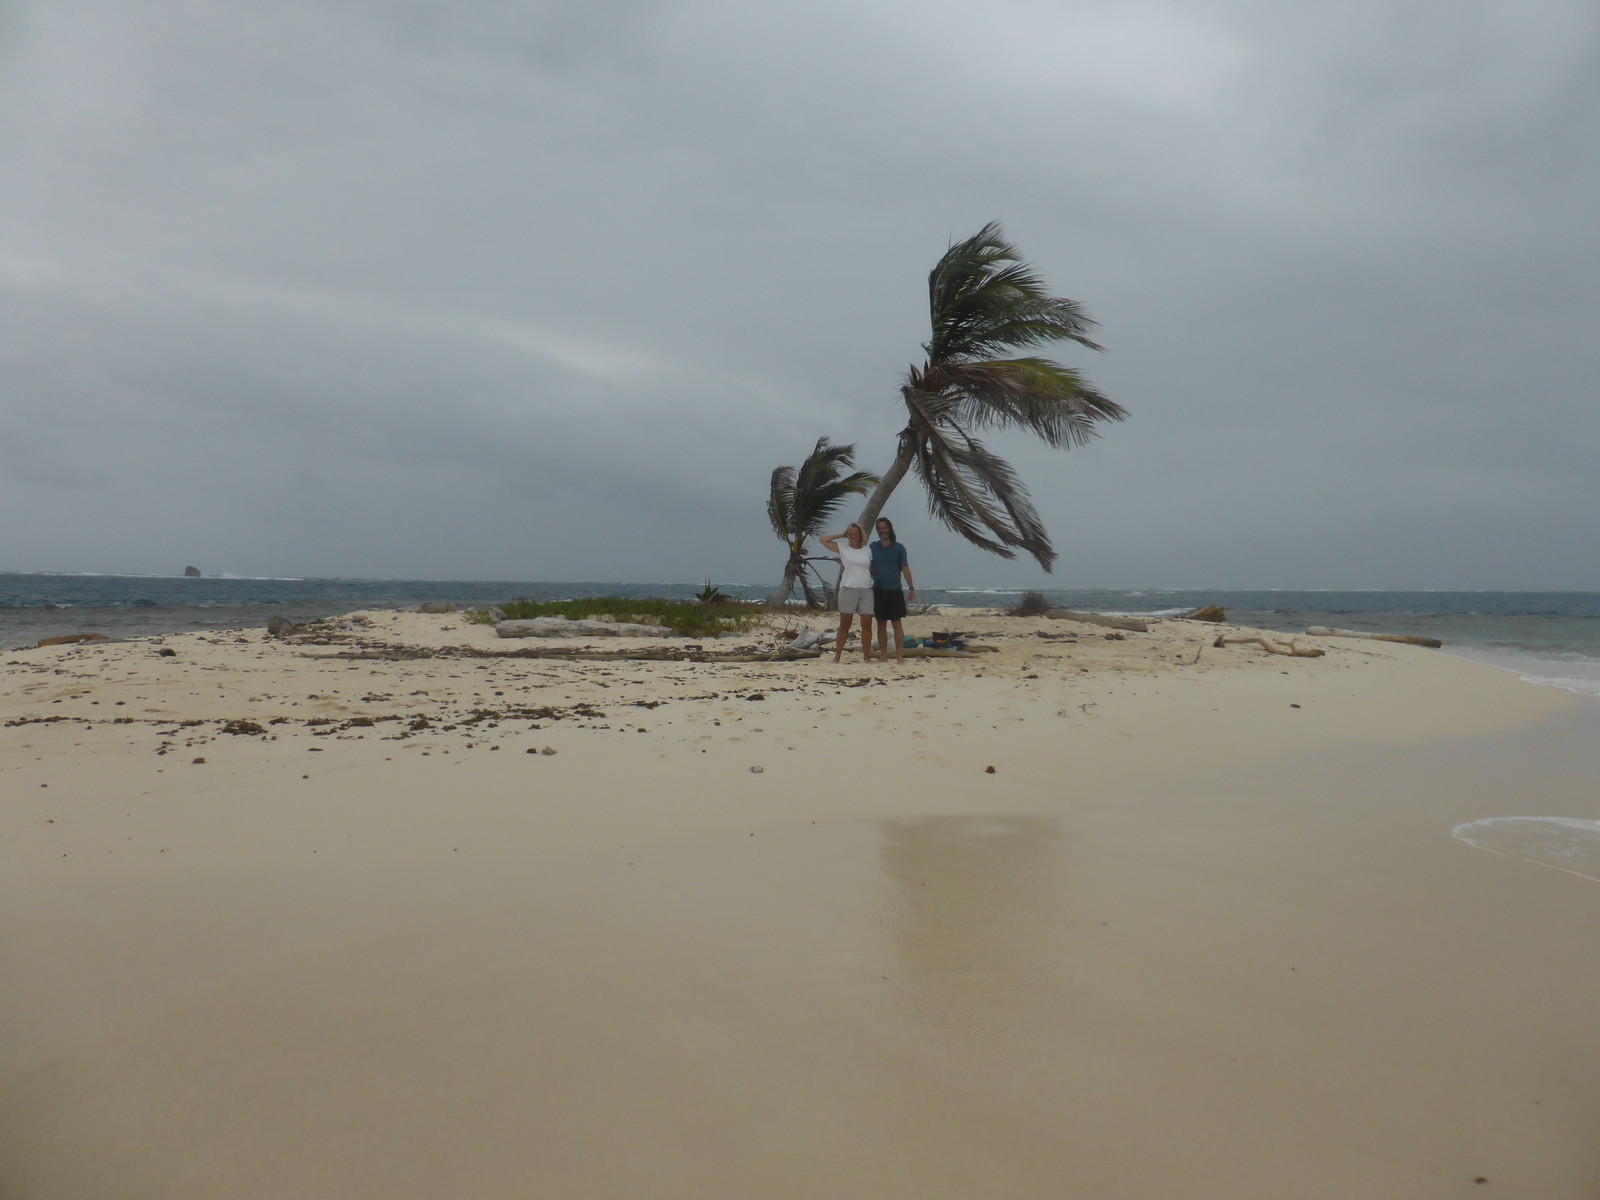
<point x="887" y="562"/>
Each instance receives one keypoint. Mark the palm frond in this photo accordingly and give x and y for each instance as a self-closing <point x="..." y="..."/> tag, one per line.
<point x="780" y="502"/>
<point x="983" y="300"/>
<point x="819" y="489"/>
<point x="1055" y="403"/>
<point x="978" y="494"/>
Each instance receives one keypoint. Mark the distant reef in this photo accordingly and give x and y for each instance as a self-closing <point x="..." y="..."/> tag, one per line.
<point x="191" y="572"/>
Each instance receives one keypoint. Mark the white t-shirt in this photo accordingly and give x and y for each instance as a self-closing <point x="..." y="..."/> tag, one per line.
<point x="857" y="565"/>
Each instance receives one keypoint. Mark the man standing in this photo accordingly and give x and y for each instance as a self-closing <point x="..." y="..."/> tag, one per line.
<point x="888" y="601"/>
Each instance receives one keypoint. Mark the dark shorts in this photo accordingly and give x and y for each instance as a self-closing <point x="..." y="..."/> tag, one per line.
<point x="888" y="604"/>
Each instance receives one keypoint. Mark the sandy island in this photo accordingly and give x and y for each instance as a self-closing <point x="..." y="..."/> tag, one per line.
<point x="391" y="912"/>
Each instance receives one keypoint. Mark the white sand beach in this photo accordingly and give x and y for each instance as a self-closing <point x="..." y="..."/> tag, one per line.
<point x="430" y="919"/>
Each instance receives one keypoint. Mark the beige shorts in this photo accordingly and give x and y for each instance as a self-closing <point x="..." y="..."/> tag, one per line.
<point x="856" y="600"/>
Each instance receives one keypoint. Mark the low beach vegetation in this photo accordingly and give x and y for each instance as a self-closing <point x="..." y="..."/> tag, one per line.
<point x="1029" y="604"/>
<point x="688" y="618"/>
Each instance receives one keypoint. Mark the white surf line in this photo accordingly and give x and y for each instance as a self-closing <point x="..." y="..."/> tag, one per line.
<point x="1568" y="844"/>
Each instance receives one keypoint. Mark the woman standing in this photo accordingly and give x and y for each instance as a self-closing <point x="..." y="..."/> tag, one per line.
<point x="855" y="586"/>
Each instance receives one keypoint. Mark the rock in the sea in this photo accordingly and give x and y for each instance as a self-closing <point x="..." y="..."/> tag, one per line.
<point x="191" y="572"/>
<point x="68" y="639"/>
<point x="436" y="606"/>
<point x="1211" y="612"/>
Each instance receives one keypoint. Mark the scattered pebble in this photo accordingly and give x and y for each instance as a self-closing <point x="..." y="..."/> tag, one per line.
<point x="200" y="759"/>
<point x="988" y="770"/>
<point x="548" y="750"/>
<point x="757" y="770"/>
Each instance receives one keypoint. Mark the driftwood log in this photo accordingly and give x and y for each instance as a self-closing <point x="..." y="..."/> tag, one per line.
<point x="1293" y="649"/>
<point x="1325" y="631"/>
<point x="1067" y="614"/>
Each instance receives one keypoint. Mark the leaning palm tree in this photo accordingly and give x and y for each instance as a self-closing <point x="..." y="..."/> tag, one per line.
<point x="985" y="301"/>
<point x="802" y="502"/>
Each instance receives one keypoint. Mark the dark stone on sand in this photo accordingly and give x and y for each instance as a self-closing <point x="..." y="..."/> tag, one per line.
<point x="279" y="626"/>
<point x="167" y="652"/>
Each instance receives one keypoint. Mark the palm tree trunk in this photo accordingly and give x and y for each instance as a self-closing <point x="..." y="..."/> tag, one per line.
<point x="886" y="485"/>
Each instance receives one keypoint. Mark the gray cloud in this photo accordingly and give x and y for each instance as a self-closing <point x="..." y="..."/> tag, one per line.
<point x="514" y="289"/>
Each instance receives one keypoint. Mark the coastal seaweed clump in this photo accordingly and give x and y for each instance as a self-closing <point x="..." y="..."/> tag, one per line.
<point x="688" y="618"/>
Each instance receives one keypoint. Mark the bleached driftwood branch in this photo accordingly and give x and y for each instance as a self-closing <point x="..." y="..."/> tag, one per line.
<point x="1293" y="649"/>
<point x="1067" y="614"/>
<point x="1408" y="639"/>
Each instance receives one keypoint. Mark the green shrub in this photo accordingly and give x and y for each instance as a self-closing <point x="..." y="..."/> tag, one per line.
<point x="688" y="618"/>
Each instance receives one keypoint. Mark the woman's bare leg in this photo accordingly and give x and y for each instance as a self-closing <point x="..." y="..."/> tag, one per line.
<point x="844" y="628"/>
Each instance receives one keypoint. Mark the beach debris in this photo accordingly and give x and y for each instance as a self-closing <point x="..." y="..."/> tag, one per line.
<point x="1294" y="649"/>
<point x="72" y="639"/>
<point x="242" y="727"/>
<point x="757" y="770"/>
<point x="1134" y="624"/>
<point x="199" y="758"/>
<point x="560" y="627"/>
<point x="1408" y="639"/>
<point x="1116" y="637"/>
<point x="279" y="627"/>
<point x="812" y="639"/>
<point x="1211" y="612"/>
<point x="548" y="750"/>
<point x="166" y="652"/>
<point x="988" y="770"/>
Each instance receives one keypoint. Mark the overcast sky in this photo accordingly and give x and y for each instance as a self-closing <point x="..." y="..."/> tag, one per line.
<point x="544" y="289"/>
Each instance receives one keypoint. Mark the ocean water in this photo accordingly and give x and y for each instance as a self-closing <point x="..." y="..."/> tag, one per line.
<point x="1551" y="638"/>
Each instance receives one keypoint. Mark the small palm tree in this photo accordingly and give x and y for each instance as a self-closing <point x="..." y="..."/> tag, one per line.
<point x="803" y="502"/>
<point x="984" y="301"/>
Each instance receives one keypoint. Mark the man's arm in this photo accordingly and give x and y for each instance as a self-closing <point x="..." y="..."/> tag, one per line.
<point x="905" y="569"/>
